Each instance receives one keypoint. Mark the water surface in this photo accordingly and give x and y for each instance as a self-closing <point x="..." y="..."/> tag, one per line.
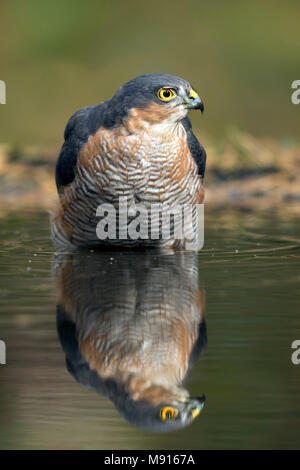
<point x="246" y="279"/>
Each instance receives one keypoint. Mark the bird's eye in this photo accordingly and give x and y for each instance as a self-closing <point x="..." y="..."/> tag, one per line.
<point x="166" y="94"/>
<point x="168" y="413"/>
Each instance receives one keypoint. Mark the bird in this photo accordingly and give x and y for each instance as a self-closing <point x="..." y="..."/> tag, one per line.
<point x="139" y="146"/>
<point x="132" y="324"/>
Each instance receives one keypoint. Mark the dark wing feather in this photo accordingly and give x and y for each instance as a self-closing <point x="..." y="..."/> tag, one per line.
<point x="195" y="147"/>
<point x="82" y="124"/>
<point x="198" y="348"/>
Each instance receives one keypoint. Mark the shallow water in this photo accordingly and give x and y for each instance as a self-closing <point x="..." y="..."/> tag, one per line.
<point x="247" y="280"/>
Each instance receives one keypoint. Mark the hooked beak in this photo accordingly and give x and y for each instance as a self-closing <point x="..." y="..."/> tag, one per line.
<point x="195" y="102"/>
<point x="196" y="405"/>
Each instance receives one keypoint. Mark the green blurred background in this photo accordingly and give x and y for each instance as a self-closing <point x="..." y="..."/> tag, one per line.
<point x="59" y="56"/>
<point x="242" y="57"/>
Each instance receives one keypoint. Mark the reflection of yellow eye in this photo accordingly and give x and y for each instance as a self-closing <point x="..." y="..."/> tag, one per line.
<point x="166" y="94"/>
<point x="168" y="413"/>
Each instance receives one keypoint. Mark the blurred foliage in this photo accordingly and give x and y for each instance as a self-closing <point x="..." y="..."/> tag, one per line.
<point x="245" y="174"/>
<point x="59" y="56"/>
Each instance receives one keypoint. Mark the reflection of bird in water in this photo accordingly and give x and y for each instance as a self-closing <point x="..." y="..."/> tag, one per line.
<point x="131" y="325"/>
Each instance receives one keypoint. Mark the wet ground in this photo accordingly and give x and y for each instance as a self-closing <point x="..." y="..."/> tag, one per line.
<point x="246" y="280"/>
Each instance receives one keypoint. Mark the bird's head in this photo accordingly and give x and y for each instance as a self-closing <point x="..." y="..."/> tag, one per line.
<point x="180" y="414"/>
<point x="155" y="407"/>
<point x="154" y="99"/>
<point x="165" y="416"/>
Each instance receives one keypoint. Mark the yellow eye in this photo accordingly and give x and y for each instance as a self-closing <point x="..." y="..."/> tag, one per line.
<point x="168" y="413"/>
<point x="166" y="94"/>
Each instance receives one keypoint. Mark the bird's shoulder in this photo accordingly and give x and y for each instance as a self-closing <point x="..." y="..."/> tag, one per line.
<point x="78" y="123"/>
<point x="196" y="149"/>
<point x="80" y="126"/>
